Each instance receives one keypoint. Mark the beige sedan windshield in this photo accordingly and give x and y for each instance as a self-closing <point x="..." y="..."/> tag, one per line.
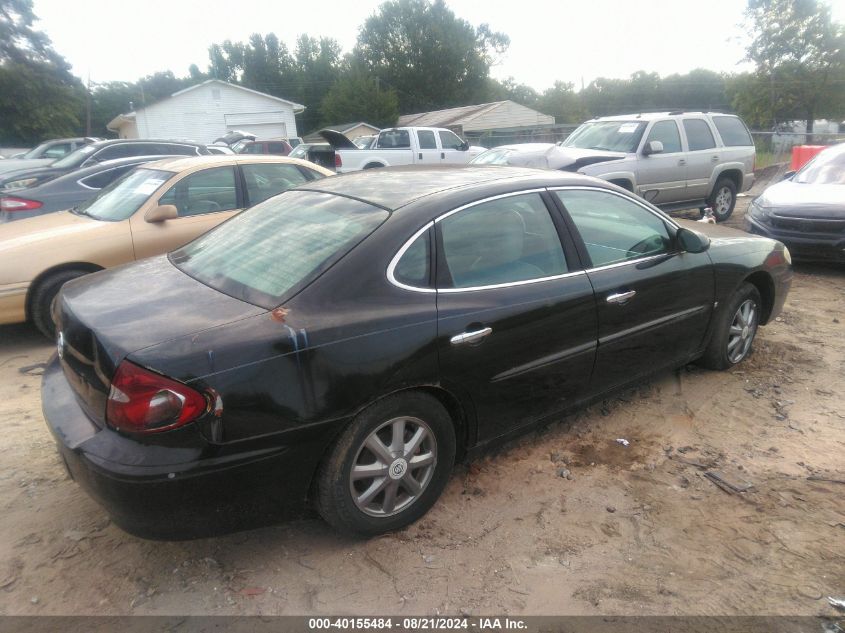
<point x="123" y="197"/>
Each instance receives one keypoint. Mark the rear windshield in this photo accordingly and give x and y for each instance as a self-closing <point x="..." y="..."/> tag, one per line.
<point x="827" y="168"/>
<point x="612" y="136"/>
<point x="732" y="131"/>
<point x="270" y="252"/>
<point x="124" y="197"/>
<point x="75" y="158"/>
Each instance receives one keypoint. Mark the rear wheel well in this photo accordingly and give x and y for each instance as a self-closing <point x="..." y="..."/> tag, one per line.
<point x="81" y="266"/>
<point x="450" y="403"/>
<point x="731" y="174"/>
<point x="373" y="165"/>
<point x="766" y="287"/>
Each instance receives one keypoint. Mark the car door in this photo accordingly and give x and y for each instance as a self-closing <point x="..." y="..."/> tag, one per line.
<point x="516" y="315"/>
<point x="702" y="157"/>
<point x="203" y="199"/>
<point x="428" y="153"/>
<point x="662" y="177"/>
<point x="451" y="149"/>
<point x="653" y="302"/>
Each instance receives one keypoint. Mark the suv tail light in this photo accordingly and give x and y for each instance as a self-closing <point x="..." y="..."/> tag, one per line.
<point x="338" y="162"/>
<point x="18" y="204"/>
<point x="142" y="401"/>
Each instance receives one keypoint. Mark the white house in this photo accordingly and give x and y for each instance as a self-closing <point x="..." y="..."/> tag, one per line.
<point x="205" y="112"/>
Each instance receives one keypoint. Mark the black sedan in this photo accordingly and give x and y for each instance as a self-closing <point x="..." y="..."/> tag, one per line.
<point x="344" y="342"/>
<point x="806" y="211"/>
<point x="68" y="191"/>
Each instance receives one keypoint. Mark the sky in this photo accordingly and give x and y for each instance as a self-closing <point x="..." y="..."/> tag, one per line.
<point x="569" y="40"/>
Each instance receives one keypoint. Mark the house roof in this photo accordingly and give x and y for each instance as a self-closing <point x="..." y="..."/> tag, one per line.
<point x="130" y="116"/>
<point x="297" y="107"/>
<point x="456" y="116"/>
<point x="343" y="128"/>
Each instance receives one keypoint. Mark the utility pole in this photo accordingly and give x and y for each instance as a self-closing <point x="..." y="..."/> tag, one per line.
<point x="88" y="106"/>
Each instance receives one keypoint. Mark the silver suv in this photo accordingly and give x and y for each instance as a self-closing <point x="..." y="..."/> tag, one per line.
<point x="676" y="160"/>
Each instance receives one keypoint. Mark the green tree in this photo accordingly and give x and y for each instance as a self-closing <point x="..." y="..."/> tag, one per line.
<point x="39" y="98"/>
<point x="430" y="57"/>
<point x="357" y="96"/>
<point x="799" y="53"/>
<point x="563" y="103"/>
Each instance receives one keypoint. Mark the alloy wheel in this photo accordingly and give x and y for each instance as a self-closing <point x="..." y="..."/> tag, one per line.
<point x="742" y="330"/>
<point x="722" y="202"/>
<point x="393" y="467"/>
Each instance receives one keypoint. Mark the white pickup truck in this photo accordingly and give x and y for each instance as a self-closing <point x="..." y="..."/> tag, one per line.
<point x="401" y="146"/>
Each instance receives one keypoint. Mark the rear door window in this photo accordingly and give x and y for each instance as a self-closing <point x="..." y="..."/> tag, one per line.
<point x="206" y="191"/>
<point x="413" y="268"/>
<point x="427" y="140"/>
<point x="733" y="131"/>
<point x="699" y="135"/>
<point x="501" y="241"/>
<point x="266" y="180"/>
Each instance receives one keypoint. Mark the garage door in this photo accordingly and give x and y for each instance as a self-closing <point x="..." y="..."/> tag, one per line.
<point x="261" y="130"/>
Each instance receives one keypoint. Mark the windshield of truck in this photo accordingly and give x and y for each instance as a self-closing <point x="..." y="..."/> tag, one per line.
<point x="611" y="136"/>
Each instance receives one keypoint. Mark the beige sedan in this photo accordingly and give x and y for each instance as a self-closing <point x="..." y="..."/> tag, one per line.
<point x="154" y="209"/>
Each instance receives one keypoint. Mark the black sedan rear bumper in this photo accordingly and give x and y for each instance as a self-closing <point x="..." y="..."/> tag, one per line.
<point x="194" y="495"/>
<point x="803" y="246"/>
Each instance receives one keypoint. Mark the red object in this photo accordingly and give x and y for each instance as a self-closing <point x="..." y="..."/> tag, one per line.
<point x="337" y="160"/>
<point x="801" y="155"/>
<point x="141" y="401"/>
<point x="18" y="204"/>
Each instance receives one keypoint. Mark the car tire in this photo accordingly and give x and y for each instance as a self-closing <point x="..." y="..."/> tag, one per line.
<point x="386" y="491"/>
<point x="723" y="199"/>
<point x="736" y="326"/>
<point x="43" y="296"/>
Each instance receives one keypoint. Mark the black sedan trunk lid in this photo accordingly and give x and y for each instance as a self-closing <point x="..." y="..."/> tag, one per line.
<point x="104" y="317"/>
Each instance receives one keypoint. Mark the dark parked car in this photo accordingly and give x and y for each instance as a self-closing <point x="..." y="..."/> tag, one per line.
<point x="46" y="153"/>
<point x="806" y="211"/>
<point x="97" y="153"/>
<point x="278" y="147"/>
<point x="68" y="191"/>
<point x="346" y="340"/>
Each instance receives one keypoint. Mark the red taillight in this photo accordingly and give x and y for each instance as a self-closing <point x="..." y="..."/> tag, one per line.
<point x="142" y="401"/>
<point x="337" y="160"/>
<point x="18" y="204"/>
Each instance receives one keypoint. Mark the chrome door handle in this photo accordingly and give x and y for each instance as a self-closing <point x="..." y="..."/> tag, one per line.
<point x="621" y="297"/>
<point x="714" y="159"/>
<point x="682" y="161"/>
<point x="471" y="337"/>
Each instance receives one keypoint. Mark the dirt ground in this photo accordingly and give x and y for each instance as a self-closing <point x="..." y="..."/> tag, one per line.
<point x="635" y="529"/>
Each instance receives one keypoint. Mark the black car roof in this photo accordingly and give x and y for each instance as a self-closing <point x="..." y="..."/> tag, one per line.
<point x="123" y="141"/>
<point x="396" y="187"/>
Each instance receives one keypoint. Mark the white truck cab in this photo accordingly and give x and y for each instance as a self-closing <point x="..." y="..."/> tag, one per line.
<point x="402" y="146"/>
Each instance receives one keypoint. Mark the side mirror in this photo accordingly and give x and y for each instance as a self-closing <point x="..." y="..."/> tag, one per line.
<point x="692" y="241"/>
<point x="653" y="147"/>
<point x="161" y="213"/>
<point x="464" y="146"/>
<point x="788" y="175"/>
